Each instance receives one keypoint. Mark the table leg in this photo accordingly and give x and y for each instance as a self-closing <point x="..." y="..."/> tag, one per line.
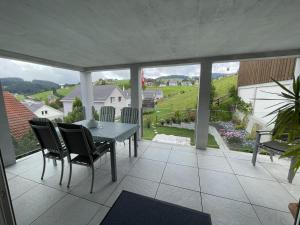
<point x="113" y="162"/>
<point x="135" y="144"/>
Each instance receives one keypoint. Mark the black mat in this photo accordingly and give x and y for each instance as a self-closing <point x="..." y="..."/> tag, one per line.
<point x="134" y="209"/>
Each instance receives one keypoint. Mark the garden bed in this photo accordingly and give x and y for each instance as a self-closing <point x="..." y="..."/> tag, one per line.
<point x="236" y="139"/>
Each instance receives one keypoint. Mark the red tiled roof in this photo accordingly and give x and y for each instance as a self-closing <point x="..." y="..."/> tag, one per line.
<point x="18" y="116"/>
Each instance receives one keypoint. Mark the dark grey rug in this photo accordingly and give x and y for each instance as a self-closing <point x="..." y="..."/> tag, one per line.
<point x="134" y="209"/>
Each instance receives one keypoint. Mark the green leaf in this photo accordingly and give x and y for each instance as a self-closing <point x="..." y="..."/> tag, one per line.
<point x="283" y="87"/>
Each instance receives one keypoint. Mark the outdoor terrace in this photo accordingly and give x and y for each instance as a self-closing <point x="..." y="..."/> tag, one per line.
<point x="221" y="182"/>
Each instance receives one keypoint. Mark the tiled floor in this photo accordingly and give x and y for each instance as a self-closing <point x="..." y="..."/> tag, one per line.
<point x="220" y="182"/>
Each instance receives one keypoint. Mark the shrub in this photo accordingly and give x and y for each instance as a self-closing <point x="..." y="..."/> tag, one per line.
<point x="162" y="122"/>
<point x="234" y="140"/>
<point x="148" y="122"/>
<point x="173" y="119"/>
<point x="168" y="121"/>
<point x="177" y="116"/>
<point x="239" y="126"/>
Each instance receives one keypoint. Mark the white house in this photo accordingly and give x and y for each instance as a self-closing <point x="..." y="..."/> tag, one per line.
<point x="153" y="94"/>
<point x="43" y="111"/>
<point x="260" y="86"/>
<point x="186" y="83"/>
<point x="172" y="83"/>
<point x="104" y="95"/>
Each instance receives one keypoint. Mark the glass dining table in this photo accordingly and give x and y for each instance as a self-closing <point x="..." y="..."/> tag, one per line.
<point x="115" y="132"/>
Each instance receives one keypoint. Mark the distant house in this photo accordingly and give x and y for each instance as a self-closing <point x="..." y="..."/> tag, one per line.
<point x="18" y="116"/>
<point x="43" y="111"/>
<point x="186" y="83"/>
<point x="153" y="94"/>
<point x="172" y="83"/>
<point x="261" y="85"/>
<point x="104" y="95"/>
<point x="162" y="85"/>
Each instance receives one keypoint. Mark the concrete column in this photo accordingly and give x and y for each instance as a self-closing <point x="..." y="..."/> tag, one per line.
<point x="6" y="146"/>
<point x="202" y="120"/>
<point x="136" y="93"/>
<point x="87" y="96"/>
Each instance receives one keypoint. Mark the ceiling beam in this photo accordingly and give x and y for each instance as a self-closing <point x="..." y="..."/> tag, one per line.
<point x="32" y="59"/>
<point x="197" y="60"/>
<point x="222" y="58"/>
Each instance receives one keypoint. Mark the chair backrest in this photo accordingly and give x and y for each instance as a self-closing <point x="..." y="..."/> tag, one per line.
<point x="129" y="115"/>
<point x="77" y="138"/>
<point x="45" y="132"/>
<point x="107" y="114"/>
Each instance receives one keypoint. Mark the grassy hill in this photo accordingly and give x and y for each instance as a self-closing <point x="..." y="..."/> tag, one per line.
<point x="42" y="96"/>
<point x="185" y="97"/>
<point x="181" y="98"/>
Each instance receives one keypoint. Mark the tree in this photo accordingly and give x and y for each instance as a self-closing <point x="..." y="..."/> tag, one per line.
<point x="212" y="95"/>
<point x="77" y="113"/>
<point x="26" y="143"/>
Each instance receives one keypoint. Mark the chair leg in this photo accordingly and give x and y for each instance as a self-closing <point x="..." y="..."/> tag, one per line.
<point x="254" y="155"/>
<point x="70" y="175"/>
<point x="271" y="156"/>
<point x="129" y="143"/>
<point x="62" y="171"/>
<point x="93" y="176"/>
<point x="291" y="170"/>
<point x="44" y="167"/>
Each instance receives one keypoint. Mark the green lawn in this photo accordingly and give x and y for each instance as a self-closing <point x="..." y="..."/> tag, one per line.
<point x="42" y="96"/>
<point x="185" y="97"/>
<point x="149" y="134"/>
<point x="222" y="85"/>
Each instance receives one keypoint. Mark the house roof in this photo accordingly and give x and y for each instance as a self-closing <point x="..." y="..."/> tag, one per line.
<point x="146" y="93"/>
<point x="152" y="93"/>
<point x="102" y="33"/>
<point x="33" y="105"/>
<point x="18" y="116"/>
<point x="101" y="93"/>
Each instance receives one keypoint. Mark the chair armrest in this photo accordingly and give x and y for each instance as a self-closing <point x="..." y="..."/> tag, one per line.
<point x="264" y="132"/>
<point x="260" y="133"/>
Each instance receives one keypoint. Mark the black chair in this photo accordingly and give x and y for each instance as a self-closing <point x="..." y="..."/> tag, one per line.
<point x="49" y="142"/>
<point x="129" y="115"/>
<point x="278" y="146"/>
<point x="79" y="141"/>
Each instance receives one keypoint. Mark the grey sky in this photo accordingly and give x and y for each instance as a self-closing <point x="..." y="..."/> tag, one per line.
<point x="30" y="71"/>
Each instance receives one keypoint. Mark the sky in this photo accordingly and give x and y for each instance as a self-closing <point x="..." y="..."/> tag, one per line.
<point x="31" y="71"/>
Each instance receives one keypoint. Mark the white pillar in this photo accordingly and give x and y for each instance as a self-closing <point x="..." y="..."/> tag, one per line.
<point x="136" y="93"/>
<point x="203" y="106"/>
<point x="87" y="96"/>
<point x="6" y="146"/>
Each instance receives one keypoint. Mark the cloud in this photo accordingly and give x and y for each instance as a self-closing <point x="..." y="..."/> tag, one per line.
<point x="31" y="71"/>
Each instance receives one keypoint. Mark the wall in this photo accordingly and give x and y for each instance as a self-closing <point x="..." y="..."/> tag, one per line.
<point x="6" y="146"/>
<point x="67" y="107"/>
<point x="118" y="105"/>
<point x="253" y="93"/>
<point x="261" y="71"/>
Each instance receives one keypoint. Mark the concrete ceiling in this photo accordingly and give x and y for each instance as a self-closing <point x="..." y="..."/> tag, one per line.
<point x="98" y="33"/>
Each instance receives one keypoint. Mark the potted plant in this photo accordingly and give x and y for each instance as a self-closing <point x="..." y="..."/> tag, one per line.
<point x="287" y="121"/>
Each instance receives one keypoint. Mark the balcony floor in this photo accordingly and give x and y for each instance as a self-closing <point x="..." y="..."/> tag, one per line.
<point x="221" y="183"/>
